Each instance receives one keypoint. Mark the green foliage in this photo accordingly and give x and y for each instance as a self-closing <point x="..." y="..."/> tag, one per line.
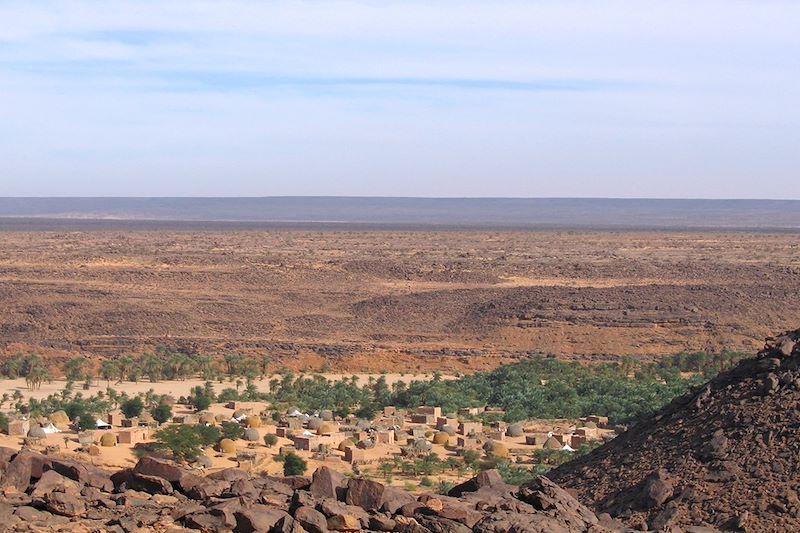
<point x="209" y="435"/>
<point x="425" y="481"/>
<point x="182" y="440"/>
<point x="3" y="423"/>
<point x="444" y="487"/>
<point x="232" y="430"/>
<point x="270" y="440"/>
<point x="294" y="465"/>
<point x="132" y="407"/>
<point x="73" y="369"/>
<point x="202" y="397"/>
<point x="162" y="413"/>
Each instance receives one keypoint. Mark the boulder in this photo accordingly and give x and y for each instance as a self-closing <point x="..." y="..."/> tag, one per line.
<point x="344" y="522"/>
<point x="229" y="474"/>
<point x="65" y="504"/>
<point x="149" y="484"/>
<point x="53" y="481"/>
<point x="327" y="483"/>
<point x="18" y="472"/>
<point x="312" y="520"/>
<point x="258" y="518"/>
<point x="487" y="478"/>
<point x="365" y="493"/>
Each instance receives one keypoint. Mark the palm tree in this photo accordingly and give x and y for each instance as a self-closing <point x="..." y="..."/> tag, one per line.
<point x="263" y="365"/>
<point x="36" y="376"/>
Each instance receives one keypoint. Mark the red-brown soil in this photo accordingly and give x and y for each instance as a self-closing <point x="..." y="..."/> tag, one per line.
<point x="398" y="301"/>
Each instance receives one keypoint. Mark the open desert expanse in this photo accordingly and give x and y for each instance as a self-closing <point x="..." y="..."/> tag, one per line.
<point x="394" y="301"/>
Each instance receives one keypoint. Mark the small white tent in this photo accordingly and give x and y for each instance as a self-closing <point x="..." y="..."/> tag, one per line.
<point x="50" y="429"/>
<point x="99" y="424"/>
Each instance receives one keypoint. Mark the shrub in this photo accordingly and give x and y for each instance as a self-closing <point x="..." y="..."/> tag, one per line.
<point x="200" y="402"/>
<point x="294" y="465"/>
<point x="162" y="413"/>
<point x="132" y="408"/>
<point x="209" y="435"/>
<point x="270" y="440"/>
<point x="182" y="440"/>
<point x="232" y="430"/>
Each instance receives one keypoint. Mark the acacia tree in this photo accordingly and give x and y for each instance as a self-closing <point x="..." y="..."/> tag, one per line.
<point x="182" y="440"/>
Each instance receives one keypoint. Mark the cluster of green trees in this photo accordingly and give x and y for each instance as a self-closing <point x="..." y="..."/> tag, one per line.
<point x="31" y="367"/>
<point x="537" y="388"/>
<point x="161" y="364"/>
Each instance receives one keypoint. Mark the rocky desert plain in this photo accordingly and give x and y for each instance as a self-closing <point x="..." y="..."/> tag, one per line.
<point x="381" y="310"/>
<point x="414" y="301"/>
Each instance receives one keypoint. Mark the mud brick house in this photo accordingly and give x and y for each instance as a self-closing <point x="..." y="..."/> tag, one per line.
<point x="19" y="428"/>
<point x="133" y="436"/>
<point x="435" y="412"/>
<point x="470" y="428"/>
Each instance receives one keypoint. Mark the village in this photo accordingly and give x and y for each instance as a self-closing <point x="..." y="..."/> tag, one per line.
<point x="392" y="446"/>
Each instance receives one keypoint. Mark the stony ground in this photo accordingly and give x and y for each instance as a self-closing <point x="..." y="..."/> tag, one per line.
<point x="376" y="301"/>
<point x="727" y="455"/>
<point x="42" y="494"/>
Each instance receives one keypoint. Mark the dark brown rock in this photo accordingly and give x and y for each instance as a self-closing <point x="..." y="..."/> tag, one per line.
<point x="18" y="472"/>
<point x="312" y="520"/>
<point x="327" y="483"/>
<point x="365" y="493"/>
<point x="65" y="504"/>
<point x="258" y="518"/>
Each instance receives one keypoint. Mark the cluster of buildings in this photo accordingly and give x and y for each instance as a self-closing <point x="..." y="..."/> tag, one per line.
<point x="426" y="428"/>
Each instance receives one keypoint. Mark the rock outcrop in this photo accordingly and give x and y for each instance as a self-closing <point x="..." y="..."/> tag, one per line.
<point x="40" y="493"/>
<point x="724" y="456"/>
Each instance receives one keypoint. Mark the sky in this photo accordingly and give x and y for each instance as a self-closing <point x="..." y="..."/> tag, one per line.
<point x="536" y="98"/>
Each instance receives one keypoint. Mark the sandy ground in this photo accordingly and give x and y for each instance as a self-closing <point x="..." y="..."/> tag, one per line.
<point x="181" y="388"/>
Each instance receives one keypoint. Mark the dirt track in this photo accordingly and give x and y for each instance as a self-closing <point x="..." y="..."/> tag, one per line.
<point x="395" y="301"/>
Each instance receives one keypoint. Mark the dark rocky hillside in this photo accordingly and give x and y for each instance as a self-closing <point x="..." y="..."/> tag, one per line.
<point x="726" y="455"/>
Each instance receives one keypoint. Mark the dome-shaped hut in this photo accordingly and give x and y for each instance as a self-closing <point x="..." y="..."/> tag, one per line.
<point x="552" y="444"/>
<point x="108" y="440"/>
<point x="208" y="419"/>
<point x="345" y="443"/>
<point x="314" y="423"/>
<point x="251" y="435"/>
<point x="59" y="419"/>
<point x="514" y="430"/>
<point x="227" y="446"/>
<point x="450" y="430"/>
<point x="326" y="415"/>
<point x="253" y="421"/>
<point x="441" y="438"/>
<point x="326" y="428"/>
<point x="495" y="449"/>
<point x="37" y="432"/>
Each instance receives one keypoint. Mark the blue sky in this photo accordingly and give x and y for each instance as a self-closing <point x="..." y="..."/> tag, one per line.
<point x="382" y="98"/>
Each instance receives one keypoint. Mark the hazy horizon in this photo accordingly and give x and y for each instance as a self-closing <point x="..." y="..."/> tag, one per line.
<point x="365" y="212"/>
